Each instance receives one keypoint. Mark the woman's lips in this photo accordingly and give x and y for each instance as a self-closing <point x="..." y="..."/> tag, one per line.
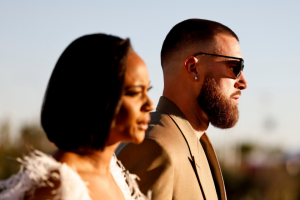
<point x="143" y="125"/>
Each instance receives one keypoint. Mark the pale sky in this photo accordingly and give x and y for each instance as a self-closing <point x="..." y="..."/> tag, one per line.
<point x="33" y="34"/>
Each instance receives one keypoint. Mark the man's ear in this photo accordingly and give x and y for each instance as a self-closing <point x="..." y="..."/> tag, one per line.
<point x="190" y="66"/>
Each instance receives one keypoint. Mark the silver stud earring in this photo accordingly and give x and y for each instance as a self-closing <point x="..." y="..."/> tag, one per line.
<point x="196" y="77"/>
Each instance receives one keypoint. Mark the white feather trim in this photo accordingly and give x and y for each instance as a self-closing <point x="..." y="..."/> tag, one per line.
<point x="126" y="181"/>
<point x="37" y="168"/>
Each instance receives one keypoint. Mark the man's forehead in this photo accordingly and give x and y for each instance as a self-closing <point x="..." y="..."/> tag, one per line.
<point x="200" y="46"/>
<point x="227" y="45"/>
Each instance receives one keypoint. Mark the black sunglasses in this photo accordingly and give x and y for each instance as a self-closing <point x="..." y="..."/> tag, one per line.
<point x="236" y="69"/>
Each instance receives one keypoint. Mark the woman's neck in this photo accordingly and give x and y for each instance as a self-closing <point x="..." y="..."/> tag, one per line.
<point x="97" y="161"/>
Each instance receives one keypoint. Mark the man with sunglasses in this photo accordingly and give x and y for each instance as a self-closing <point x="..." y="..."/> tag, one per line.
<point x="203" y="78"/>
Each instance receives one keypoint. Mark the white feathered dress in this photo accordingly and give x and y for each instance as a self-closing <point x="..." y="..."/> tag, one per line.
<point x="37" y="168"/>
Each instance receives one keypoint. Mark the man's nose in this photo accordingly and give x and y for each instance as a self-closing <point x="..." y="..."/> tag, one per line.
<point x="241" y="82"/>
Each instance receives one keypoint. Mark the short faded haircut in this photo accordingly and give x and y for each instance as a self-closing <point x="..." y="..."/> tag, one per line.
<point x="191" y="31"/>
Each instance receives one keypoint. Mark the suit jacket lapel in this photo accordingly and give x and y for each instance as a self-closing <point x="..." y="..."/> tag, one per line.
<point x="214" y="166"/>
<point x="168" y="107"/>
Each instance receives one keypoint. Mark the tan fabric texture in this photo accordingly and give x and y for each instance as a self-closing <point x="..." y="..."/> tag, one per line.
<point x="171" y="161"/>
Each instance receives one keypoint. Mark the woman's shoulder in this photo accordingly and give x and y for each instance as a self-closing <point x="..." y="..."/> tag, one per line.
<point x="41" y="176"/>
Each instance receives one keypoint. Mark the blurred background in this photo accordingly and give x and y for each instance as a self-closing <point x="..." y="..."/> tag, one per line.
<point x="260" y="156"/>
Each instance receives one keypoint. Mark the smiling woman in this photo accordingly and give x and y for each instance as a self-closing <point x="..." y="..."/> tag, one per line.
<point x="96" y="98"/>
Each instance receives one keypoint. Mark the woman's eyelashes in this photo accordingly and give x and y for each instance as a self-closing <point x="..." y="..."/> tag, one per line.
<point x="137" y="90"/>
<point x="132" y="92"/>
<point x="149" y="88"/>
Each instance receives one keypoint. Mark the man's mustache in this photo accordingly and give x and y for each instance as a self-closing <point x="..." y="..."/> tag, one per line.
<point x="236" y="93"/>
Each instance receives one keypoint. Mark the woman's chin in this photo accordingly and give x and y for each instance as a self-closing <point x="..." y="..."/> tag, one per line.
<point x="139" y="138"/>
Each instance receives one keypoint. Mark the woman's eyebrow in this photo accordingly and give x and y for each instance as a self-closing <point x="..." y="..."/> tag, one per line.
<point x="135" y="86"/>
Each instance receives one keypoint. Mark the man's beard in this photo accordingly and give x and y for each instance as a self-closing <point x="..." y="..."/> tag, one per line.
<point x="221" y="111"/>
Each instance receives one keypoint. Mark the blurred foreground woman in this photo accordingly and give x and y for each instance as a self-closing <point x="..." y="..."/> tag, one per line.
<point x="96" y="98"/>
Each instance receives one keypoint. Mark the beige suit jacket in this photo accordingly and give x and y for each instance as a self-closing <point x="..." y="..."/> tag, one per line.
<point x="169" y="159"/>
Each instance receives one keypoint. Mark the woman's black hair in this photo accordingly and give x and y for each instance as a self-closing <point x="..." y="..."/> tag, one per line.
<point x="84" y="92"/>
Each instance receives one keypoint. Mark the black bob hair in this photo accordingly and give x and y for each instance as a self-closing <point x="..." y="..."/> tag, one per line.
<point x="84" y="92"/>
